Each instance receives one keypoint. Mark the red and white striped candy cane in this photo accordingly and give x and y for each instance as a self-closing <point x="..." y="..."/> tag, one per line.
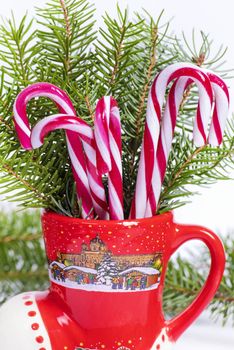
<point x="107" y="133"/>
<point x="221" y="109"/>
<point x="152" y="127"/>
<point x="87" y="176"/>
<point x="166" y="134"/>
<point x="21" y="120"/>
<point x="61" y="121"/>
<point x="175" y="97"/>
<point x="68" y="123"/>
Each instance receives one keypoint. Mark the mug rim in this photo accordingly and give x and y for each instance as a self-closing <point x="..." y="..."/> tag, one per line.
<point x="164" y="217"/>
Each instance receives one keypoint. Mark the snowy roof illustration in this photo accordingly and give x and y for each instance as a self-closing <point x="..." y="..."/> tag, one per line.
<point x="81" y="268"/>
<point x="73" y="267"/>
<point x="62" y="266"/>
<point x="144" y="270"/>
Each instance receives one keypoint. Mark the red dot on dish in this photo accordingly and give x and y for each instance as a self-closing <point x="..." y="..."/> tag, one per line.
<point x="42" y="349"/>
<point x="35" y="326"/>
<point x="32" y="313"/>
<point x="28" y="303"/>
<point x="39" y="339"/>
<point x="158" y="347"/>
<point x="163" y="337"/>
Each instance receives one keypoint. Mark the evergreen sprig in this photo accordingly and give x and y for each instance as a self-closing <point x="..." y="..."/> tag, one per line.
<point x="22" y="257"/>
<point x="185" y="279"/>
<point x="201" y="166"/>
<point x="63" y="46"/>
<point x="17" y="52"/>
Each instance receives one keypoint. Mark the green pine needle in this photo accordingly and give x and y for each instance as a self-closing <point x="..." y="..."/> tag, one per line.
<point x="63" y="46"/>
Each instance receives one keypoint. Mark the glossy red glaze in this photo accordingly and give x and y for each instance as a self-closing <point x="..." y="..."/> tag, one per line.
<point x="115" y="318"/>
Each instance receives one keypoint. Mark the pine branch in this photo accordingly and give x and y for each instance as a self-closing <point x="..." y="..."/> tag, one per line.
<point x="7" y="169"/>
<point x="122" y="60"/>
<point x="18" y="51"/>
<point x="21" y="253"/>
<point x="66" y="32"/>
<point x="188" y="165"/>
<point x="152" y="63"/>
<point x="88" y="104"/>
<point x="116" y="52"/>
<point x="140" y="112"/>
<point x="185" y="279"/>
<point x="68" y="35"/>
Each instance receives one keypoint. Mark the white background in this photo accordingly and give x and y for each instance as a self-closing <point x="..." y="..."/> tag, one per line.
<point x="214" y="208"/>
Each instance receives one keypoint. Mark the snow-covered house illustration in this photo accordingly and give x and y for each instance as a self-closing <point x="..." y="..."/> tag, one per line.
<point x="79" y="274"/>
<point x="140" y="277"/>
<point x="82" y="275"/>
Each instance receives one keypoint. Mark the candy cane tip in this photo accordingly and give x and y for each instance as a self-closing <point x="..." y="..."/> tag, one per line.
<point x="25" y="144"/>
<point x="36" y="145"/>
<point x="213" y="141"/>
<point x="199" y="144"/>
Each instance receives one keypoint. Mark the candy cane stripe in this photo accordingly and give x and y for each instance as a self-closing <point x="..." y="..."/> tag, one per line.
<point x="109" y="153"/>
<point x="221" y="98"/>
<point x="88" y="162"/>
<point x="152" y="129"/>
<point x="221" y="109"/>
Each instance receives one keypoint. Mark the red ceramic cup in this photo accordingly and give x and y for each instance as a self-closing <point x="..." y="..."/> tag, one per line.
<point x="107" y="280"/>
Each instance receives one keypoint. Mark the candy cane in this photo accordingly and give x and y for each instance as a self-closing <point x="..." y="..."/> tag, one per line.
<point x="66" y="122"/>
<point x="60" y="121"/>
<point x="152" y="128"/>
<point x="221" y="109"/>
<point x="168" y="124"/>
<point x="175" y="97"/>
<point x="107" y="133"/>
<point x="21" y="120"/>
<point x="87" y="177"/>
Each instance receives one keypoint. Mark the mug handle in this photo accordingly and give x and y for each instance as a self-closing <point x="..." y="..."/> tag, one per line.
<point x="185" y="233"/>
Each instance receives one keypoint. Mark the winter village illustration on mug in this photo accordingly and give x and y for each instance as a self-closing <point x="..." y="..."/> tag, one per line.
<point x="96" y="268"/>
<point x="121" y="348"/>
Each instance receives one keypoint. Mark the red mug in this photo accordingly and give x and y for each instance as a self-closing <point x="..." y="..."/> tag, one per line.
<point x="107" y="280"/>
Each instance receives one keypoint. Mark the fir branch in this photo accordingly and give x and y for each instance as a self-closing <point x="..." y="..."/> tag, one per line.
<point x="118" y="54"/>
<point x="88" y="104"/>
<point x="5" y="124"/>
<point x="7" y="169"/>
<point x="179" y="172"/>
<point x="21" y="253"/>
<point x="199" y="61"/>
<point x="141" y="108"/>
<point x="15" y="276"/>
<point x="188" y="165"/>
<point x="68" y="35"/>
<point x="65" y="35"/>
<point x="67" y="20"/>
<point x="148" y="79"/>
<point x="122" y="61"/>
<point x="24" y="237"/>
<point x="180" y="291"/>
<point x="17" y="50"/>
